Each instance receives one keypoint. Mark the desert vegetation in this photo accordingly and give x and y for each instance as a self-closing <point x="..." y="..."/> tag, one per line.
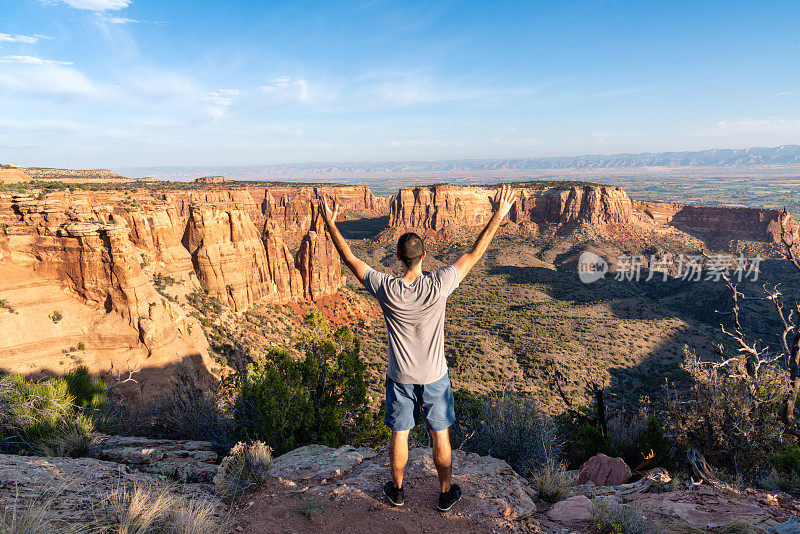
<point x="50" y="417"/>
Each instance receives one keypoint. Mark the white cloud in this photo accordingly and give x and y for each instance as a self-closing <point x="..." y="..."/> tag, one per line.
<point x="285" y="90"/>
<point x="17" y="38"/>
<point x="93" y="5"/>
<point x="112" y="19"/>
<point x="220" y="100"/>
<point x="119" y="20"/>
<point x="32" y="60"/>
<point x="768" y="125"/>
<point x="783" y="93"/>
<point x="35" y="75"/>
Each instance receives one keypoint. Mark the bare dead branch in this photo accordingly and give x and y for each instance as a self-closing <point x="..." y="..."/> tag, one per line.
<point x="788" y="245"/>
<point x="116" y="375"/>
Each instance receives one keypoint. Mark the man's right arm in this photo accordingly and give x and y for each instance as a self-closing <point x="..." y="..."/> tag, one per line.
<point x="503" y="201"/>
<point x="358" y="267"/>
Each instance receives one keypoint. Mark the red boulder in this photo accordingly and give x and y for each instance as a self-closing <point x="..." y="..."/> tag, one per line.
<point x="604" y="471"/>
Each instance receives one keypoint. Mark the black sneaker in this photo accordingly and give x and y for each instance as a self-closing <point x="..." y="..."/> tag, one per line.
<point x="449" y="498"/>
<point x="394" y="495"/>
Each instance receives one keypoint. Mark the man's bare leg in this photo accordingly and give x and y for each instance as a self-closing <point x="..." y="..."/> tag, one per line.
<point x="442" y="457"/>
<point x="398" y="455"/>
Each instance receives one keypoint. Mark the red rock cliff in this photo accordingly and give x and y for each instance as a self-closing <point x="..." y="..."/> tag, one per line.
<point x="318" y="261"/>
<point x="241" y="267"/>
<point x="719" y="223"/>
<point x="66" y="241"/>
<point x="443" y="206"/>
<point x="228" y="255"/>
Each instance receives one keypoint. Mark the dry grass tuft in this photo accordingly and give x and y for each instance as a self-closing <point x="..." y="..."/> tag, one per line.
<point x="148" y="509"/>
<point x="739" y="526"/>
<point x="245" y="467"/>
<point x="612" y="517"/>
<point x="682" y="527"/>
<point x="552" y="481"/>
<point x="36" y="516"/>
<point x="31" y="520"/>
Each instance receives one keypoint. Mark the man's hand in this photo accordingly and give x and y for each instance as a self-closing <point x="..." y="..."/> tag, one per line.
<point x="358" y="267"/>
<point x="503" y="200"/>
<point x="328" y="215"/>
<point x="501" y="205"/>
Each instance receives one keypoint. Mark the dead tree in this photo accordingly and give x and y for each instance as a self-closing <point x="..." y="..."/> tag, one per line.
<point x="116" y="377"/>
<point x="750" y="359"/>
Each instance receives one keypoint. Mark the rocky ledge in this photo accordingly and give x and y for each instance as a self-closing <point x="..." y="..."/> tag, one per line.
<point x="492" y="489"/>
<point x="348" y="481"/>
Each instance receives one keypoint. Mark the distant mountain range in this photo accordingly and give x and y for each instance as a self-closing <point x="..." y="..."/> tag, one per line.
<point x="718" y="157"/>
<point x="386" y="176"/>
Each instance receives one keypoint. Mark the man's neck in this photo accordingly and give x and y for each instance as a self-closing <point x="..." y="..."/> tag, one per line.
<point x="412" y="274"/>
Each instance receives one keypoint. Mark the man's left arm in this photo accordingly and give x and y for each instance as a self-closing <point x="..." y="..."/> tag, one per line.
<point x="358" y="267"/>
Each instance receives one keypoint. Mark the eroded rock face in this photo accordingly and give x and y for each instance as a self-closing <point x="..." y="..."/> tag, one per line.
<point x="241" y="198"/>
<point x="158" y="229"/>
<point x="228" y="255"/>
<point x="285" y="275"/>
<point x="443" y="206"/>
<point x="111" y="305"/>
<point x="239" y="266"/>
<point x="605" y="208"/>
<point x="720" y="223"/>
<point x="318" y="262"/>
<point x="292" y="207"/>
<point x="116" y="265"/>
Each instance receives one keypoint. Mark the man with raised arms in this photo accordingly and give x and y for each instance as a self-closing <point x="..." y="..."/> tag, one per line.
<point x="416" y="378"/>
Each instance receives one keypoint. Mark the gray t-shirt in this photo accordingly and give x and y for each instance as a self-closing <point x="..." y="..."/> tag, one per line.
<point x="414" y="316"/>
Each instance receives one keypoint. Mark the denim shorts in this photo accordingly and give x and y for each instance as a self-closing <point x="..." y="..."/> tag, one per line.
<point x="404" y="401"/>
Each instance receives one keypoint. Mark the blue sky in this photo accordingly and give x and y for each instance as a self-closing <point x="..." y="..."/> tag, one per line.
<point x="103" y="83"/>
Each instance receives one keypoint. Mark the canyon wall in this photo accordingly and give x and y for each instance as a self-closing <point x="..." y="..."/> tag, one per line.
<point x="107" y="303"/>
<point x="290" y="205"/>
<point x="102" y="277"/>
<point x="720" y="223"/>
<point x="443" y="206"/>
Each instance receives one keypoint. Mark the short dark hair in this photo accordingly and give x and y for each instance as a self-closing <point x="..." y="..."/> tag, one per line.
<point x="410" y="249"/>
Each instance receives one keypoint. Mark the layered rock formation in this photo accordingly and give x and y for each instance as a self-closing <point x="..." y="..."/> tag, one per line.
<point x="442" y="206"/>
<point x="158" y="229"/>
<point x="719" y="223"/>
<point x="13" y="176"/>
<point x="318" y="261"/>
<point x="106" y="271"/>
<point x="228" y="255"/>
<point x="113" y="305"/>
<point x="292" y="205"/>
<point x="241" y="198"/>
<point x="211" y="180"/>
